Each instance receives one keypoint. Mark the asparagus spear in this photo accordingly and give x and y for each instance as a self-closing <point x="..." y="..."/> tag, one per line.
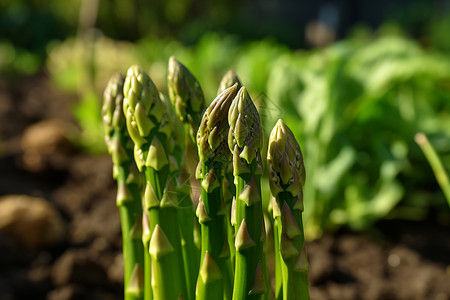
<point x="244" y="140"/>
<point x="187" y="97"/>
<point x="128" y="180"/>
<point x="214" y="155"/>
<point x="276" y="241"/>
<point x="148" y="124"/>
<point x="286" y="179"/>
<point x="229" y="190"/>
<point x="146" y="236"/>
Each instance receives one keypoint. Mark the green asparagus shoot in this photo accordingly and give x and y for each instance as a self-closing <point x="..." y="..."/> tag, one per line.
<point x="128" y="180"/>
<point x="229" y="190"/>
<point x="148" y="123"/>
<point x="286" y="179"/>
<point x="229" y="79"/>
<point x="213" y="151"/>
<point x="186" y="95"/>
<point x="187" y="98"/>
<point x="244" y="141"/>
<point x="155" y="143"/>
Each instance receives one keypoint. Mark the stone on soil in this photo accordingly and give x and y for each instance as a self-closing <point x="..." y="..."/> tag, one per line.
<point x="30" y="221"/>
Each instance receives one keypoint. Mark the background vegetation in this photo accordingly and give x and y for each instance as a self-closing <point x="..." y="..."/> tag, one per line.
<point x="355" y="105"/>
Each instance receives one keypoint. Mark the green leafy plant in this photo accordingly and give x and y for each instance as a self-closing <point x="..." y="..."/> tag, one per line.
<point x="162" y="258"/>
<point x="357" y="105"/>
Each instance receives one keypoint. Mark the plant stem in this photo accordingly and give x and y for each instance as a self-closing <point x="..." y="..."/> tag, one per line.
<point x="149" y="126"/>
<point x="278" y="278"/>
<point x="229" y="190"/>
<point x="211" y="276"/>
<point x="191" y="253"/>
<point x="435" y="163"/>
<point x="244" y="140"/>
<point x="146" y="235"/>
<point x="128" y="180"/>
<point x="286" y="178"/>
<point x="187" y="98"/>
<point x="161" y="202"/>
<point x="130" y="209"/>
<point x="214" y="155"/>
<point x="292" y="264"/>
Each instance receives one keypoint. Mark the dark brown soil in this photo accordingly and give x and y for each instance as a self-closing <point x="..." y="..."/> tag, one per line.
<point x="395" y="260"/>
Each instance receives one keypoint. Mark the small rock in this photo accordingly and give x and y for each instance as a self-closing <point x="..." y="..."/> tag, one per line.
<point x="46" y="145"/>
<point x="30" y="221"/>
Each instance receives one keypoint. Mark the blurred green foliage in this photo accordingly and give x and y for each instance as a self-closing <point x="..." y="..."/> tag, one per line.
<point x="26" y="28"/>
<point x="184" y="20"/>
<point x="29" y="27"/>
<point x="15" y="60"/>
<point x="356" y="106"/>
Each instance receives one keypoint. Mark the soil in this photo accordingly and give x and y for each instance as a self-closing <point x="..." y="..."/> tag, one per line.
<point x="395" y="260"/>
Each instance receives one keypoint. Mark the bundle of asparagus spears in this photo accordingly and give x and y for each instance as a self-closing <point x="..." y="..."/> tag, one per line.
<point x="189" y="191"/>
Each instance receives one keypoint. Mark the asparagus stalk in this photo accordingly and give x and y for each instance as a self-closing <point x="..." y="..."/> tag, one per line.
<point x="229" y="190"/>
<point x="278" y="279"/>
<point x="128" y="180"/>
<point x="148" y="125"/>
<point x="186" y="213"/>
<point x="286" y="178"/>
<point x="146" y="236"/>
<point x="187" y="97"/>
<point x="214" y="155"/>
<point x="244" y="141"/>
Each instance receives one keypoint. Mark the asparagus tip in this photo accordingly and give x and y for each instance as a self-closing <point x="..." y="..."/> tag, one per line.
<point x="214" y="123"/>
<point x="245" y="128"/>
<point x="286" y="167"/>
<point x="229" y="79"/>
